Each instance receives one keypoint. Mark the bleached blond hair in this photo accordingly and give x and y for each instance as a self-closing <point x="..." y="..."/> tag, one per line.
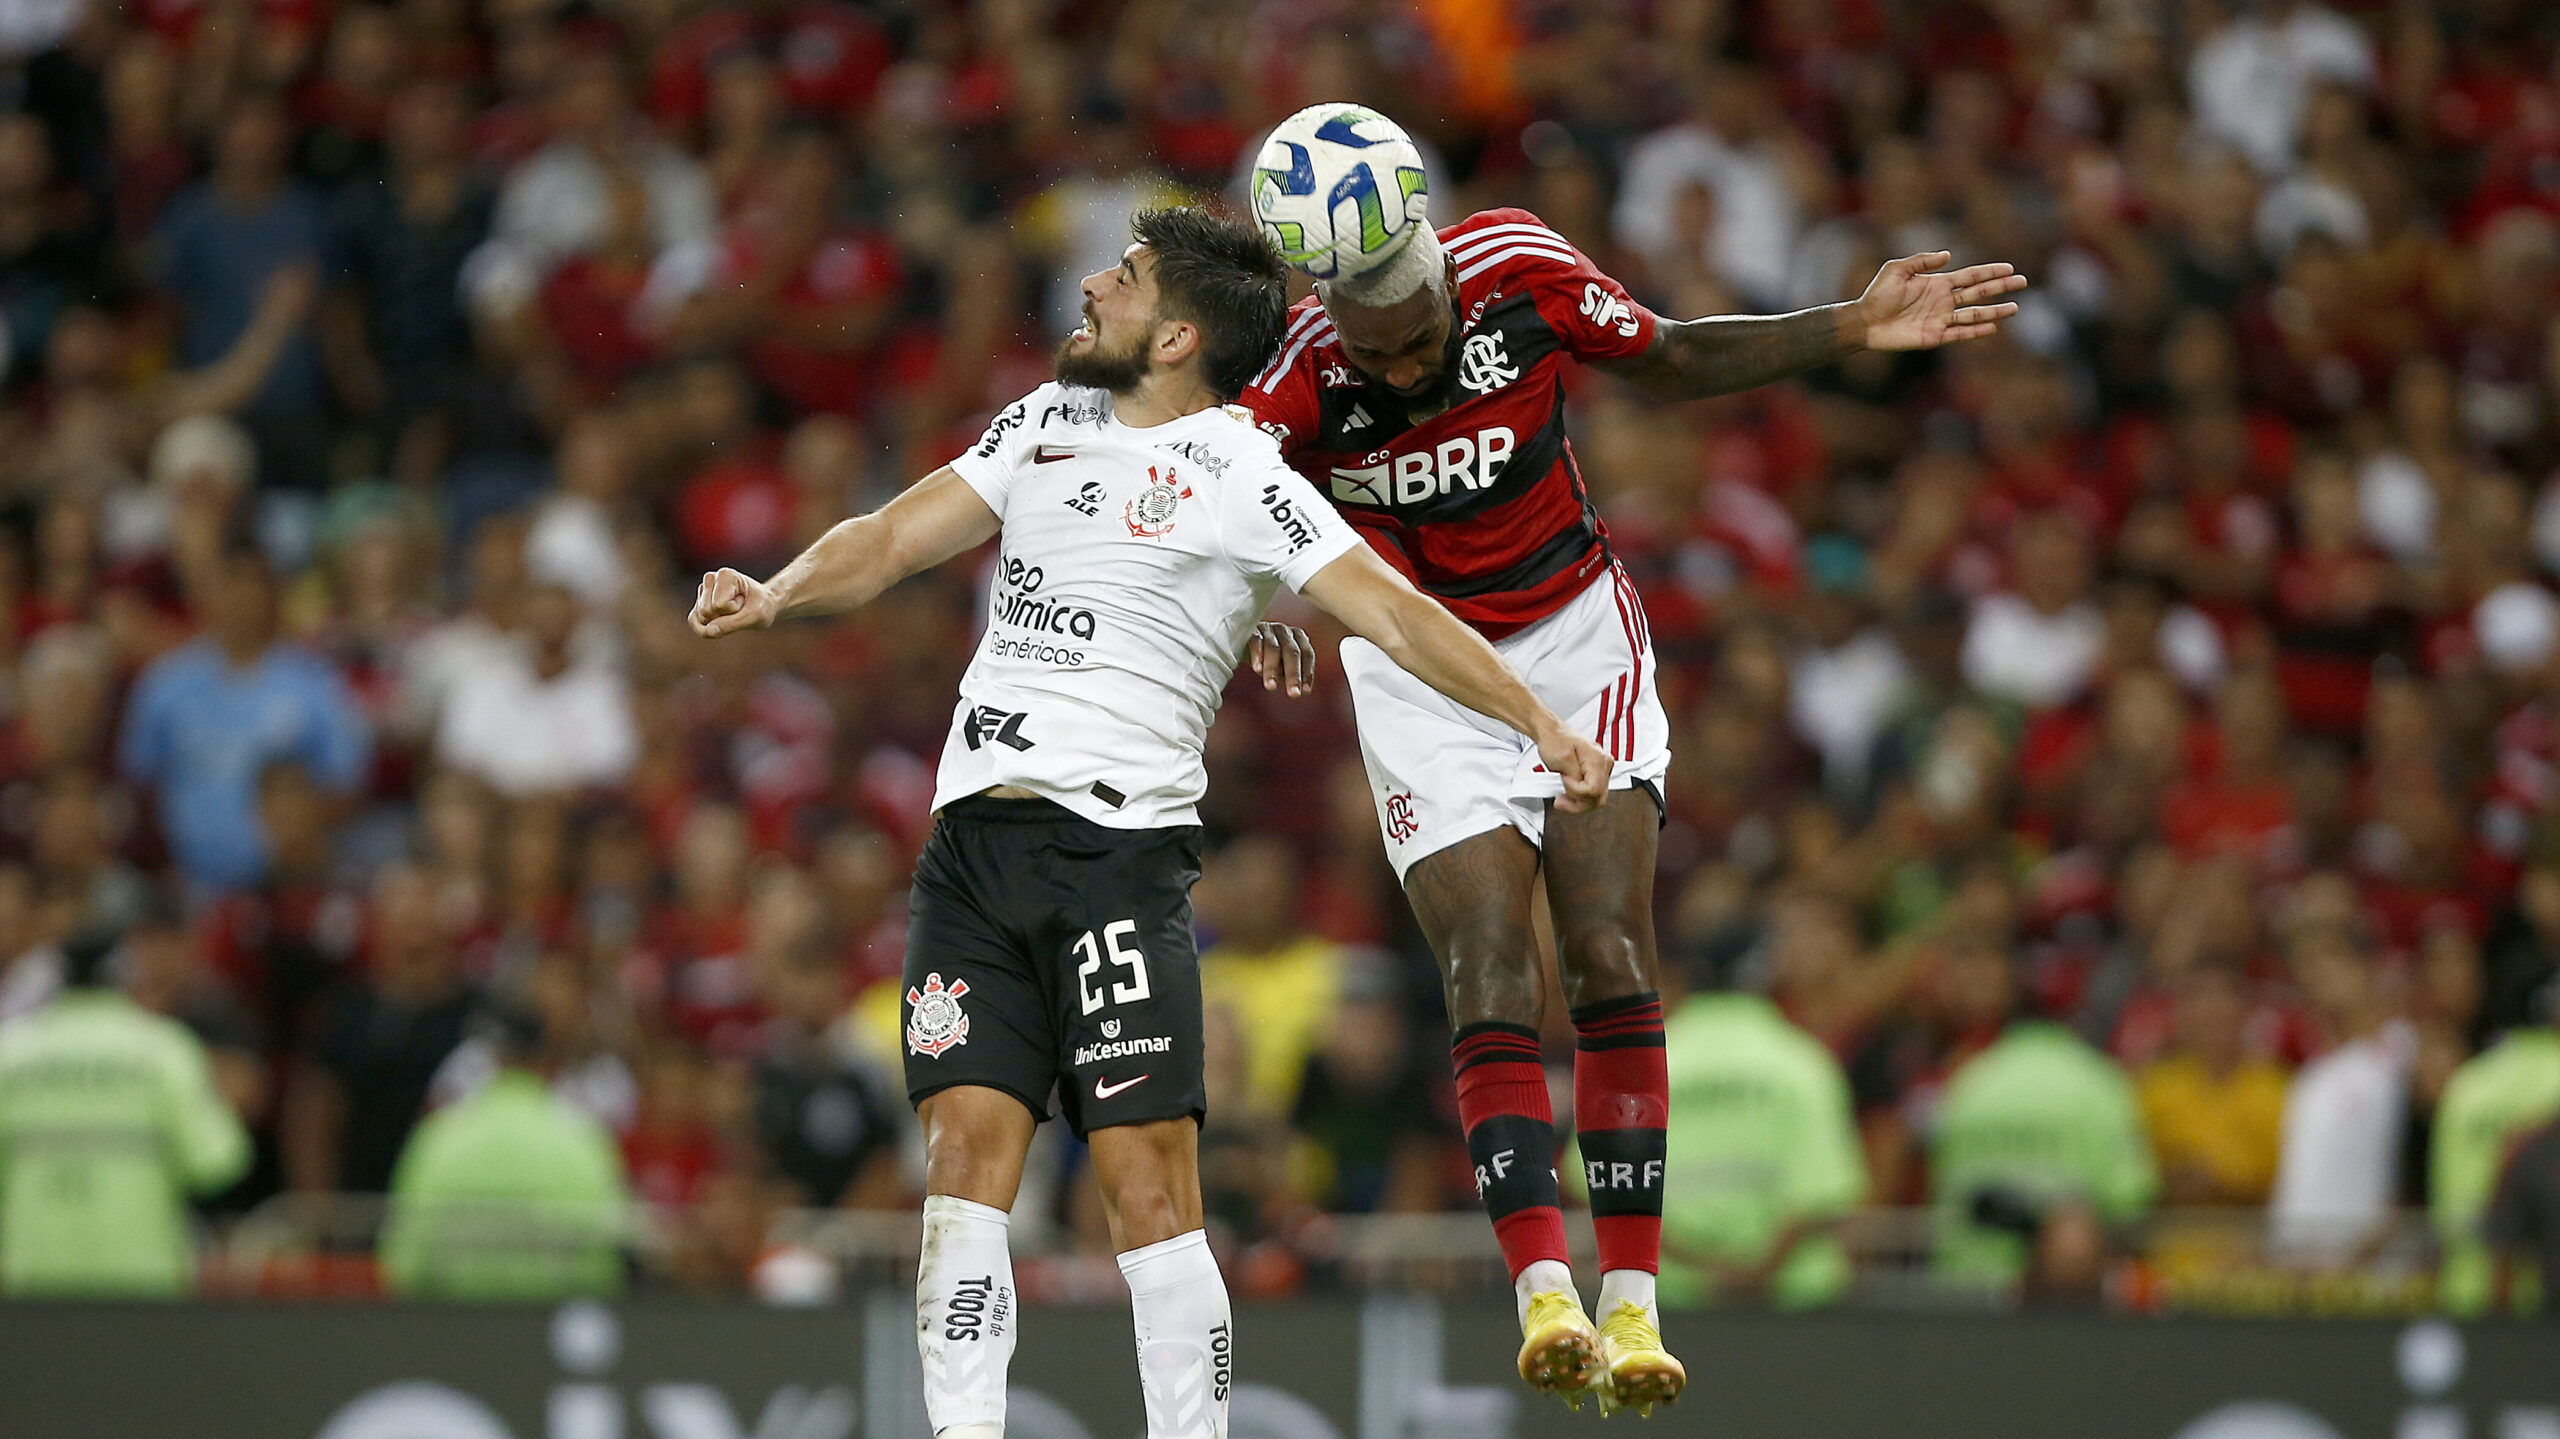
<point x="1420" y="265"/>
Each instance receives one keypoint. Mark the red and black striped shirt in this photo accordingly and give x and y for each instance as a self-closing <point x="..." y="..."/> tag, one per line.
<point x="1480" y="505"/>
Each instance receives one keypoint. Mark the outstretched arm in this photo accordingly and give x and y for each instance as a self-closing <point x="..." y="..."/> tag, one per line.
<point x="850" y="565"/>
<point x="1430" y="644"/>
<point x="1909" y="305"/>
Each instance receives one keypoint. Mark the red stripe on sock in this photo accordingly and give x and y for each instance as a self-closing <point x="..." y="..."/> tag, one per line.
<point x="1538" y="1233"/>
<point x="1490" y="1089"/>
<point x="1627" y="1087"/>
<point x="1629" y="1241"/>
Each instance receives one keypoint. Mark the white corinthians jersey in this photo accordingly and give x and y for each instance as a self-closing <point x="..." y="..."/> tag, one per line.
<point x="1134" y="565"/>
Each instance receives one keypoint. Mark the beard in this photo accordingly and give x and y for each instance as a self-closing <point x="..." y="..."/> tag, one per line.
<point x="1441" y="390"/>
<point x="1095" y="368"/>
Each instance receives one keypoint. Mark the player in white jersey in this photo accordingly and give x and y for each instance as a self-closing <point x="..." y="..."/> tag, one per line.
<point x="1144" y="525"/>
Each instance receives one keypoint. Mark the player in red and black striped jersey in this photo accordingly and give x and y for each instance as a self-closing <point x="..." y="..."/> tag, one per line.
<point x="1426" y="399"/>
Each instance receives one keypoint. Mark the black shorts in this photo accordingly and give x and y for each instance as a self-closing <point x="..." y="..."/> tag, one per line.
<point x="1045" y="951"/>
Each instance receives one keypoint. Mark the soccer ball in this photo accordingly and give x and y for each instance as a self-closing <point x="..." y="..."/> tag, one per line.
<point x="1339" y="190"/>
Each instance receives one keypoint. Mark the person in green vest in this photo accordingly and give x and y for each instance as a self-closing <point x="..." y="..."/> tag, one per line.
<point x="510" y="1194"/>
<point x="109" y="1120"/>
<point x="2493" y="1100"/>
<point x="1764" y="1160"/>
<point x="2039" y="1149"/>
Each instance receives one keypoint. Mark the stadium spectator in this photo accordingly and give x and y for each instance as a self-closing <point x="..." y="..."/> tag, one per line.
<point x="406" y="227"/>
<point x="109" y="1120"/>
<point x="825" y="1118"/>
<point x="165" y="973"/>
<point x="560" y="202"/>
<point x="206" y="720"/>
<point x="544" y="722"/>
<point x="2038" y="645"/>
<point x="510" y="1195"/>
<point x="1373" y="1129"/>
<point x="219" y="244"/>
<point x="362" y="1081"/>
<point x="1279" y="981"/>
<point x="2490" y="1104"/>
<point x="2215" y="1112"/>
<point x="2522" y="1222"/>
<point x="2038" y="1137"/>
<point x="2347" y="1112"/>
<point x="1764" y="1158"/>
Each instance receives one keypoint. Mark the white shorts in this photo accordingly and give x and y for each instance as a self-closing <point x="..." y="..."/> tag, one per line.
<point x="1440" y="772"/>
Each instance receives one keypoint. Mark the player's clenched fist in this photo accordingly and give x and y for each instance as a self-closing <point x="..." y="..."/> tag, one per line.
<point x="1582" y="765"/>
<point x="729" y="602"/>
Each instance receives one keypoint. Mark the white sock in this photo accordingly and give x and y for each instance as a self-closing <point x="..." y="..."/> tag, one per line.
<point x="1627" y="1286"/>
<point x="1186" y="1336"/>
<point x="1540" y="1277"/>
<point x="965" y="1317"/>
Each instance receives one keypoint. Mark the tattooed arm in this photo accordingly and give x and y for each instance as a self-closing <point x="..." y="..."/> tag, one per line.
<point x="1909" y="306"/>
<point x="1726" y="354"/>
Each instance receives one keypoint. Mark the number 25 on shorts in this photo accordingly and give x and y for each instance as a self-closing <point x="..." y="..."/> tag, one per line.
<point x="1089" y="991"/>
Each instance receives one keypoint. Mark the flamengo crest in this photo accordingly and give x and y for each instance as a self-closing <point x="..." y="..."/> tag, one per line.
<point x="935" y="1020"/>
<point x="1485" y="364"/>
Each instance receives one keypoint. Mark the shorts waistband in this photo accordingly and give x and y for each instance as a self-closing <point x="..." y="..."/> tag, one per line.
<point x="983" y="809"/>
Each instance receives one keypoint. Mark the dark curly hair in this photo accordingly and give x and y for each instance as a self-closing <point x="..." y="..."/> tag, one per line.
<point x="1219" y="274"/>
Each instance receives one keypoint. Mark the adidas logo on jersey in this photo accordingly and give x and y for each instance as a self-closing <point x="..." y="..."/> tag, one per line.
<point x="1358" y="419"/>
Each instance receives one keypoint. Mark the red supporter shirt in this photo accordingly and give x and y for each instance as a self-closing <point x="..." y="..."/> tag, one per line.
<point x="1480" y="505"/>
<point x="828" y="58"/>
<point x="846" y="269"/>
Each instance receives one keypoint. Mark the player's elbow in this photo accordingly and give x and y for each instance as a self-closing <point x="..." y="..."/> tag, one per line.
<point x="1393" y="629"/>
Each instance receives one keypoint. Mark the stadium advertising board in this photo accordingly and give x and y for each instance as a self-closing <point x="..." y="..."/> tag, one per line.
<point x="666" y="1371"/>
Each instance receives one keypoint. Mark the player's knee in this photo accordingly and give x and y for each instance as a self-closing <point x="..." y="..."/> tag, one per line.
<point x="970" y="1153"/>
<point x="1151" y="1214"/>
<point x="1148" y="1175"/>
<point x="1493" y="976"/>
<point x="1609" y="959"/>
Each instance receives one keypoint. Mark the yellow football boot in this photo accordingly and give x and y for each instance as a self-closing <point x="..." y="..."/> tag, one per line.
<point x="1559" y="1350"/>
<point x="1636" y="1371"/>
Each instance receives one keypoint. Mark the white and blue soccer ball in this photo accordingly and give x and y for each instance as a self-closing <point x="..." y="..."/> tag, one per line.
<point x="1339" y="190"/>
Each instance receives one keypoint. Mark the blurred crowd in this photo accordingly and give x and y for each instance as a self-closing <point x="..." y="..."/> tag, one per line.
<point x="2116" y="764"/>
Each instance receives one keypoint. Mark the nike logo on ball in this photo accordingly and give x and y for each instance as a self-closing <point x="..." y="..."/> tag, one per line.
<point x="1103" y="1089"/>
<point x="1042" y="455"/>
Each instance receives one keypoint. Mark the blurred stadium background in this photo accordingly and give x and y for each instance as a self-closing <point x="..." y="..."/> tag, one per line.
<point x="2159" y="704"/>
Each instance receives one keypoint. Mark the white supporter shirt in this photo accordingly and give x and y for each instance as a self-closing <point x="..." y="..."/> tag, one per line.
<point x="1133" y="564"/>
<point x="2340" y="1166"/>
<point x="525" y="735"/>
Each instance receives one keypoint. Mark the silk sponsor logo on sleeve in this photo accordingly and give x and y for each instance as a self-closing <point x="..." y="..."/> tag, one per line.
<point x="1607" y="312"/>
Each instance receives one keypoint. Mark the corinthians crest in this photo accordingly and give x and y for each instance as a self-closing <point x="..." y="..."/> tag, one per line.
<point x="1151" y="514"/>
<point x="935" y="1020"/>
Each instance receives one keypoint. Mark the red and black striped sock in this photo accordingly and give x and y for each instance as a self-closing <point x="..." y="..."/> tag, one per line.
<point x="1621" y="1107"/>
<point x="1511" y="1136"/>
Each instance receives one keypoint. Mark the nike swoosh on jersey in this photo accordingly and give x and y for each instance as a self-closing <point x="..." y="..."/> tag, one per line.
<point x="1043" y="455"/>
<point x="1103" y="1089"/>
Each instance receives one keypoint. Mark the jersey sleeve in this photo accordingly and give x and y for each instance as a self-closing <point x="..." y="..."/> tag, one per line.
<point x="1278" y="525"/>
<point x="988" y="466"/>
<point x="1282" y="399"/>
<point x="1593" y="316"/>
